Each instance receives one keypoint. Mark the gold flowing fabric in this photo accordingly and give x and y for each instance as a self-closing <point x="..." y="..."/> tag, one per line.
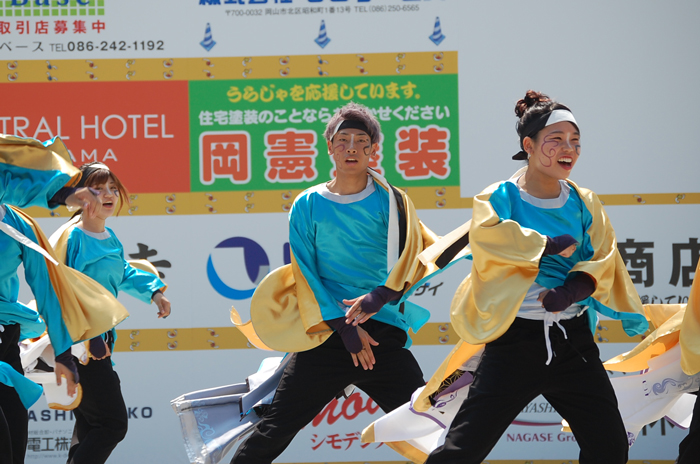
<point x="284" y="313"/>
<point x="675" y="323"/>
<point x="146" y="266"/>
<point x="88" y="309"/>
<point x="280" y="310"/>
<point x="506" y="263"/>
<point x="59" y="239"/>
<point x="614" y="287"/>
<point x="690" y="329"/>
<point x="32" y="154"/>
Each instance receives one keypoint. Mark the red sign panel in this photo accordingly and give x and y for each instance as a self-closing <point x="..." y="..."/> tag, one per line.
<point x="139" y="129"/>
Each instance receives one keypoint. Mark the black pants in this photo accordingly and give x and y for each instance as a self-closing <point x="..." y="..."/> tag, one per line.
<point x="313" y="378"/>
<point x="14" y="420"/>
<point x="689" y="448"/>
<point x="512" y="373"/>
<point x="101" y="418"/>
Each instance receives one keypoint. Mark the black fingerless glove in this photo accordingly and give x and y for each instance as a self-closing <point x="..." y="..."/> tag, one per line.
<point x="556" y="245"/>
<point x="377" y="298"/>
<point x="575" y="289"/>
<point x="66" y="358"/>
<point x="348" y="333"/>
<point x="61" y="196"/>
<point x="98" y="347"/>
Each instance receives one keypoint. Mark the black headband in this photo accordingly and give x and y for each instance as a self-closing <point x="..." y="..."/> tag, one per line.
<point x="351" y="124"/>
<point x="88" y="171"/>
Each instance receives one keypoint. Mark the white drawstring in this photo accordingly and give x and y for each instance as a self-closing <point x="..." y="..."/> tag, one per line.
<point x="549" y="320"/>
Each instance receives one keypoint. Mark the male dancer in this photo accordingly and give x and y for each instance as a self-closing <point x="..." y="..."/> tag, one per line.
<point x="354" y="243"/>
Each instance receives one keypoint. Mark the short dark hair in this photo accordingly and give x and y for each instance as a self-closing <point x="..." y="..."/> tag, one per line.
<point x="354" y="112"/>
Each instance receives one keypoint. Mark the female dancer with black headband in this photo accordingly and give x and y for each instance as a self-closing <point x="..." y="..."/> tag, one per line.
<point x="545" y="259"/>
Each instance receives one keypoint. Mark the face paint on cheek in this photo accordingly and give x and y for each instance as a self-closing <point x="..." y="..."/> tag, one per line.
<point x="339" y="149"/>
<point x="572" y="145"/>
<point x="546" y="161"/>
<point x="549" y="150"/>
<point x="576" y="146"/>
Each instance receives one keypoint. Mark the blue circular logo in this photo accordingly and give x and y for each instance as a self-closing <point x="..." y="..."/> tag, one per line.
<point x="257" y="266"/>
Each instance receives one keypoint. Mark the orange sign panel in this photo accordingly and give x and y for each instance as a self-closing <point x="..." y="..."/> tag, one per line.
<point x="139" y="129"/>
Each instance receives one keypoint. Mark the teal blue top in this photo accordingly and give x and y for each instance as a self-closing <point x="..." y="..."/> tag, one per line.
<point x="28" y="391"/>
<point x="570" y="216"/>
<point x="340" y="245"/>
<point x="23" y="187"/>
<point x="12" y="254"/>
<point x="101" y="257"/>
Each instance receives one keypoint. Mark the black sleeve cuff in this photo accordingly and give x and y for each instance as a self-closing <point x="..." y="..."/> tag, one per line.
<point x="377" y="298"/>
<point x="348" y="333"/>
<point x="61" y="196"/>
<point x="66" y="358"/>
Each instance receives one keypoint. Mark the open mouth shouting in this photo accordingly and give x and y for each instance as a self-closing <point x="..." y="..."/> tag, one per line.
<point x="566" y="162"/>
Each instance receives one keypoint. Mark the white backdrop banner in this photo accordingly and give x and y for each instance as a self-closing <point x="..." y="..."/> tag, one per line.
<point x="211" y="113"/>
